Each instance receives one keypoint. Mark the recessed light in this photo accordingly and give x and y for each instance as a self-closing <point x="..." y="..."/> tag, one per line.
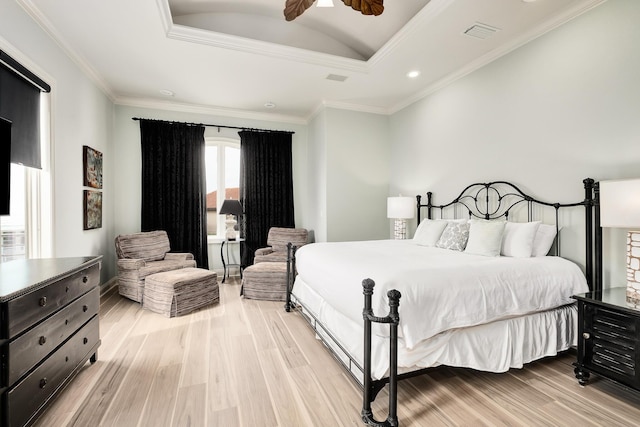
<point x="269" y="104"/>
<point x="166" y="92"/>
<point x="413" y="74"/>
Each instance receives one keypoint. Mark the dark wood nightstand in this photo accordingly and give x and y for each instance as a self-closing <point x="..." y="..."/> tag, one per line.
<point x="608" y="337"/>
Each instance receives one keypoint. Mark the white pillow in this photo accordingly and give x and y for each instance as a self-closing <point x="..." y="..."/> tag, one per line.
<point x="543" y="240"/>
<point x="485" y="237"/>
<point x="454" y="236"/>
<point x="429" y="231"/>
<point x="517" y="240"/>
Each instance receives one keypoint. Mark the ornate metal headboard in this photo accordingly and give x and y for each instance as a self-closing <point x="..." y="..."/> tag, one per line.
<point x="497" y="199"/>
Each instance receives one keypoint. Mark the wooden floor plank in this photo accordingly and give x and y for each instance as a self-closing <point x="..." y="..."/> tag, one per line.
<point x="161" y="400"/>
<point x="190" y="406"/>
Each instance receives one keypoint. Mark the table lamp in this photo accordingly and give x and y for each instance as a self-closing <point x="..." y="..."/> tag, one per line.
<point x="620" y="208"/>
<point x="400" y="209"/>
<point x="231" y="208"/>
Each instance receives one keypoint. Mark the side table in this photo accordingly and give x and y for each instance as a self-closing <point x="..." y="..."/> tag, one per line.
<point x="226" y="264"/>
<point x="608" y="337"/>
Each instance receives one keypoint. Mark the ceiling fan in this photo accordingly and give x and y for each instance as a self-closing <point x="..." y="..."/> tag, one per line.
<point x="295" y="8"/>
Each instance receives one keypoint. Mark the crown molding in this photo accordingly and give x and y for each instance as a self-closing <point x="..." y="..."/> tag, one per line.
<point x="204" y="109"/>
<point x="75" y="57"/>
<point x="518" y="42"/>
<point x="242" y="44"/>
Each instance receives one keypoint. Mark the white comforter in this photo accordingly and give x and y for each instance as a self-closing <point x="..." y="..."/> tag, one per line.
<point x="441" y="289"/>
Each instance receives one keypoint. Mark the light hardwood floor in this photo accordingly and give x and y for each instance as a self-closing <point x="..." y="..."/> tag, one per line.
<point x="249" y="363"/>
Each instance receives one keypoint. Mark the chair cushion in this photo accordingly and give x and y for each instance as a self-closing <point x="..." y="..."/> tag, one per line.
<point x="154" y="267"/>
<point x="149" y="245"/>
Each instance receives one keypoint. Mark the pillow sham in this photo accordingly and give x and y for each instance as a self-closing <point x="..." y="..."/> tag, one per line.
<point x="543" y="239"/>
<point x="454" y="236"/>
<point x="429" y="231"/>
<point x="485" y="237"/>
<point x="517" y="240"/>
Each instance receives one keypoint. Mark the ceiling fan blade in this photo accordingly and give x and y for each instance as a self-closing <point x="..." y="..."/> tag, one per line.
<point x="366" y="7"/>
<point x="295" y="8"/>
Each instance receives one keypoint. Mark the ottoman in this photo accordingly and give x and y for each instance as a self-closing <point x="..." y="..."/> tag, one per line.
<point x="265" y="281"/>
<point x="177" y="292"/>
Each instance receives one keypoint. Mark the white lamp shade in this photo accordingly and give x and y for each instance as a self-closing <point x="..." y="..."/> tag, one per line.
<point x="620" y="203"/>
<point x="400" y="207"/>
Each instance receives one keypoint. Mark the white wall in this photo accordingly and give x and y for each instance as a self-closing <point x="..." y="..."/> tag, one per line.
<point x="81" y="115"/>
<point x="357" y="175"/>
<point x="560" y="109"/>
<point x="317" y="172"/>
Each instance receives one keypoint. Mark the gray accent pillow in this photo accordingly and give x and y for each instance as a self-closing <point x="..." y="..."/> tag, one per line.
<point x="454" y="236"/>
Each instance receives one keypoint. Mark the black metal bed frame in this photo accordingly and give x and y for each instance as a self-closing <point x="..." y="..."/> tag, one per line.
<point x="480" y="200"/>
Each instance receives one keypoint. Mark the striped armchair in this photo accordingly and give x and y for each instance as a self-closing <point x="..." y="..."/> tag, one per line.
<point x="277" y="240"/>
<point x="142" y="254"/>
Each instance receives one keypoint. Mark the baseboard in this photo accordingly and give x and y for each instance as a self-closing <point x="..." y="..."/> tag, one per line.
<point x="108" y="285"/>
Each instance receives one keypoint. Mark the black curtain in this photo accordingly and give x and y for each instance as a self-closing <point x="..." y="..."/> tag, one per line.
<point x="174" y="185"/>
<point x="266" y="187"/>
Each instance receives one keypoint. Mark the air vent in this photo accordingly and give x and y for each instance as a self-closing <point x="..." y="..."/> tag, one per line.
<point x="336" y="77"/>
<point x="481" y="31"/>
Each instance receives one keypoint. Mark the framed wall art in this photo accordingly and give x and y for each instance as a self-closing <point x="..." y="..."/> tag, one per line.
<point x="92" y="167"/>
<point x="92" y="209"/>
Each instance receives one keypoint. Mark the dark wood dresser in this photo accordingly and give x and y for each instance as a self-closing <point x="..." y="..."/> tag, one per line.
<point x="608" y="337"/>
<point x="48" y="330"/>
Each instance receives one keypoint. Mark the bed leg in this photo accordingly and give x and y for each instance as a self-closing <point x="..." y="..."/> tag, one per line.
<point x="371" y="387"/>
<point x="291" y="267"/>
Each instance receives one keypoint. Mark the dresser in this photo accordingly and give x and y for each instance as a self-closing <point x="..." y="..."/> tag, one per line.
<point x="608" y="337"/>
<point x="48" y="330"/>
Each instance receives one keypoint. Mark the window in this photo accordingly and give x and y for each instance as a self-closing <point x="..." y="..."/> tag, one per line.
<point x="26" y="231"/>
<point x="222" y="162"/>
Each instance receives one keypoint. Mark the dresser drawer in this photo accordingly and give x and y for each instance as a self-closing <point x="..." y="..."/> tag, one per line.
<point x="24" y="400"/>
<point x="23" y="353"/>
<point x="29" y="309"/>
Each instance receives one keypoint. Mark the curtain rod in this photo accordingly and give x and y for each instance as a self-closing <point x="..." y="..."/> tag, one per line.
<point x="216" y="126"/>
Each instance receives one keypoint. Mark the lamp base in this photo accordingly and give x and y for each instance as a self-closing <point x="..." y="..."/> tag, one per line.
<point x="400" y="229"/>
<point x="633" y="267"/>
<point x="230" y="232"/>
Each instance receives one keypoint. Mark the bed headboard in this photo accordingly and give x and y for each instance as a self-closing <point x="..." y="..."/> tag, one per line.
<point x="498" y="199"/>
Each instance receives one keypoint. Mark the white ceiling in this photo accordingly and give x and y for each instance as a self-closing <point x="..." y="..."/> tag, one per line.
<point x="231" y="57"/>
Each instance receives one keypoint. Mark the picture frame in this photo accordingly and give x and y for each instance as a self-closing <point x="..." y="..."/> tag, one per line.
<point x="92" y="209"/>
<point x="92" y="167"/>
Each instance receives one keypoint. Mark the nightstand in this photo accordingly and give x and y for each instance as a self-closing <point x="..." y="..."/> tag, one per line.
<point x="608" y="337"/>
<point x="225" y="262"/>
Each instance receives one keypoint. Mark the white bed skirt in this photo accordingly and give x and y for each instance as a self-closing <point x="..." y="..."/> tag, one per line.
<point x="494" y="347"/>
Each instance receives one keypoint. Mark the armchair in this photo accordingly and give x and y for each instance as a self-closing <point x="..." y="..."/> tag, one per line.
<point x="142" y="254"/>
<point x="277" y="240"/>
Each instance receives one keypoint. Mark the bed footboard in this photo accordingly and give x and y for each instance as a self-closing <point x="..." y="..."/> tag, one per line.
<point x="371" y="387"/>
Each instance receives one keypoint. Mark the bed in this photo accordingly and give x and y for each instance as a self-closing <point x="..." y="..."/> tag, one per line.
<point x="473" y="288"/>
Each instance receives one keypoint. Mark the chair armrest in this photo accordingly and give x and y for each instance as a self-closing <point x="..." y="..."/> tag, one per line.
<point x="131" y="263"/>
<point x="178" y="256"/>
<point x="263" y="251"/>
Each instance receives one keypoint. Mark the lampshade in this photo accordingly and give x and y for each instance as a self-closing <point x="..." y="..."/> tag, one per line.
<point x="400" y="207"/>
<point x="231" y="207"/>
<point x="620" y="203"/>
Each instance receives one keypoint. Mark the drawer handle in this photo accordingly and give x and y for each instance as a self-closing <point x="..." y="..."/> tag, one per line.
<point x="85" y="308"/>
<point x="43" y="382"/>
<point x="586" y="335"/>
<point x="85" y="340"/>
<point x="43" y="301"/>
<point x="85" y="279"/>
<point x="42" y="340"/>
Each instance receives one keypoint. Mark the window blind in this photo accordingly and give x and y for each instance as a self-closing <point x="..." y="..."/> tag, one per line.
<point x="20" y="103"/>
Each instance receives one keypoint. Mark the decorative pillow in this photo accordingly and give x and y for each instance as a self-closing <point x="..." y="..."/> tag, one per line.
<point x="543" y="240"/>
<point x="429" y="231"/>
<point x="517" y="240"/>
<point x="454" y="236"/>
<point x="485" y="237"/>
